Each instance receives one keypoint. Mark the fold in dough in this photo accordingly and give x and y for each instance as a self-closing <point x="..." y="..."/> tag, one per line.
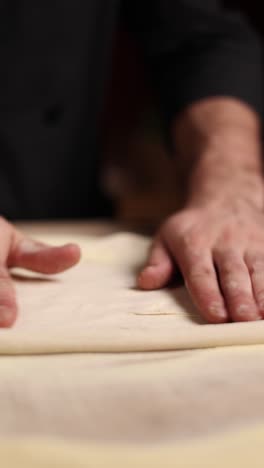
<point x="95" y="307"/>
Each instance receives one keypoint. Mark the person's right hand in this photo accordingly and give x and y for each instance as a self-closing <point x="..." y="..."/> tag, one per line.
<point x="16" y="250"/>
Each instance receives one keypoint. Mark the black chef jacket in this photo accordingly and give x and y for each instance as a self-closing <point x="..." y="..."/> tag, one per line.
<point x="55" y="58"/>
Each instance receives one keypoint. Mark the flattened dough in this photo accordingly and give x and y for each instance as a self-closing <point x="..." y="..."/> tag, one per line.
<point x="95" y="307"/>
<point x="136" y="398"/>
<point x="239" y="449"/>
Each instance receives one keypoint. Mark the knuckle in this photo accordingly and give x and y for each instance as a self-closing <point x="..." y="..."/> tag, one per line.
<point x="224" y="251"/>
<point x="177" y="223"/>
<point x="237" y="294"/>
<point x="257" y="266"/>
<point x="227" y="268"/>
<point x="191" y="243"/>
<point x="236" y="283"/>
<point x="199" y="272"/>
<point x="231" y="286"/>
<point x="187" y="235"/>
<point x="230" y="266"/>
<point x="228" y="235"/>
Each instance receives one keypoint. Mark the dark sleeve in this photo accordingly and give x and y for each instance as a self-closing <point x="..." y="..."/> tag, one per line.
<point x="195" y="49"/>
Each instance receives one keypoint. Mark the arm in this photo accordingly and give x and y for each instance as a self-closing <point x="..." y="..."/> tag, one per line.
<point x="220" y="140"/>
<point x="217" y="240"/>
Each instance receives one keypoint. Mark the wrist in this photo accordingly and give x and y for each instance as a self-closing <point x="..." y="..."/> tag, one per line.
<point x="218" y="181"/>
<point x="218" y="125"/>
<point x="219" y="141"/>
<point x="210" y="119"/>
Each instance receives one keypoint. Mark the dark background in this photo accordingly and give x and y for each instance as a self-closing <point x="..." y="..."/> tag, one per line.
<point x="253" y="9"/>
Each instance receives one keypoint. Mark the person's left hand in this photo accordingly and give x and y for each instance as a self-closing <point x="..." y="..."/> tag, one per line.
<point x="219" y="249"/>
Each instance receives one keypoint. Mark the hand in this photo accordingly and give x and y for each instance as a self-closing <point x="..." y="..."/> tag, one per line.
<point x="219" y="249"/>
<point x="18" y="251"/>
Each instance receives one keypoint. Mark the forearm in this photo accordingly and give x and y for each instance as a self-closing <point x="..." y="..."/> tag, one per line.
<point x="219" y="139"/>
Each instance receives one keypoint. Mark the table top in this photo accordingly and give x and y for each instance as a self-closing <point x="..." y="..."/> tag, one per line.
<point x="129" y="397"/>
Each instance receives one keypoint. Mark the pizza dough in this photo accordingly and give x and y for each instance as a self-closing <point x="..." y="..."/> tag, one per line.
<point x="151" y="409"/>
<point x="239" y="449"/>
<point x="132" y="398"/>
<point x="95" y="307"/>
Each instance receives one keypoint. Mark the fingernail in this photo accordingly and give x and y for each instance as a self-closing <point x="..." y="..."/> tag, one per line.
<point x="27" y="246"/>
<point x="145" y="280"/>
<point x="217" y="309"/>
<point x="146" y="270"/>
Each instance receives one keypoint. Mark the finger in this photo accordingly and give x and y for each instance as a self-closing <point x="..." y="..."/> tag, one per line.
<point x="42" y="258"/>
<point x="17" y="250"/>
<point x="236" y="286"/>
<point x="159" y="268"/>
<point x="201" y="282"/>
<point x="255" y="265"/>
<point x="190" y="252"/>
<point x="200" y="278"/>
<point x="8" y="306"/>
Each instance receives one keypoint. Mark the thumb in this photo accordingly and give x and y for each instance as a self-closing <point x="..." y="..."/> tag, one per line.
<point x="43" y="258"/>
<point x="158" y="269"/>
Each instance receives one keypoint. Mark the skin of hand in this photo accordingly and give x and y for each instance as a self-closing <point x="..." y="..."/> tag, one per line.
<point x="16" y="250"/>
<point x="217" y="240"/>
